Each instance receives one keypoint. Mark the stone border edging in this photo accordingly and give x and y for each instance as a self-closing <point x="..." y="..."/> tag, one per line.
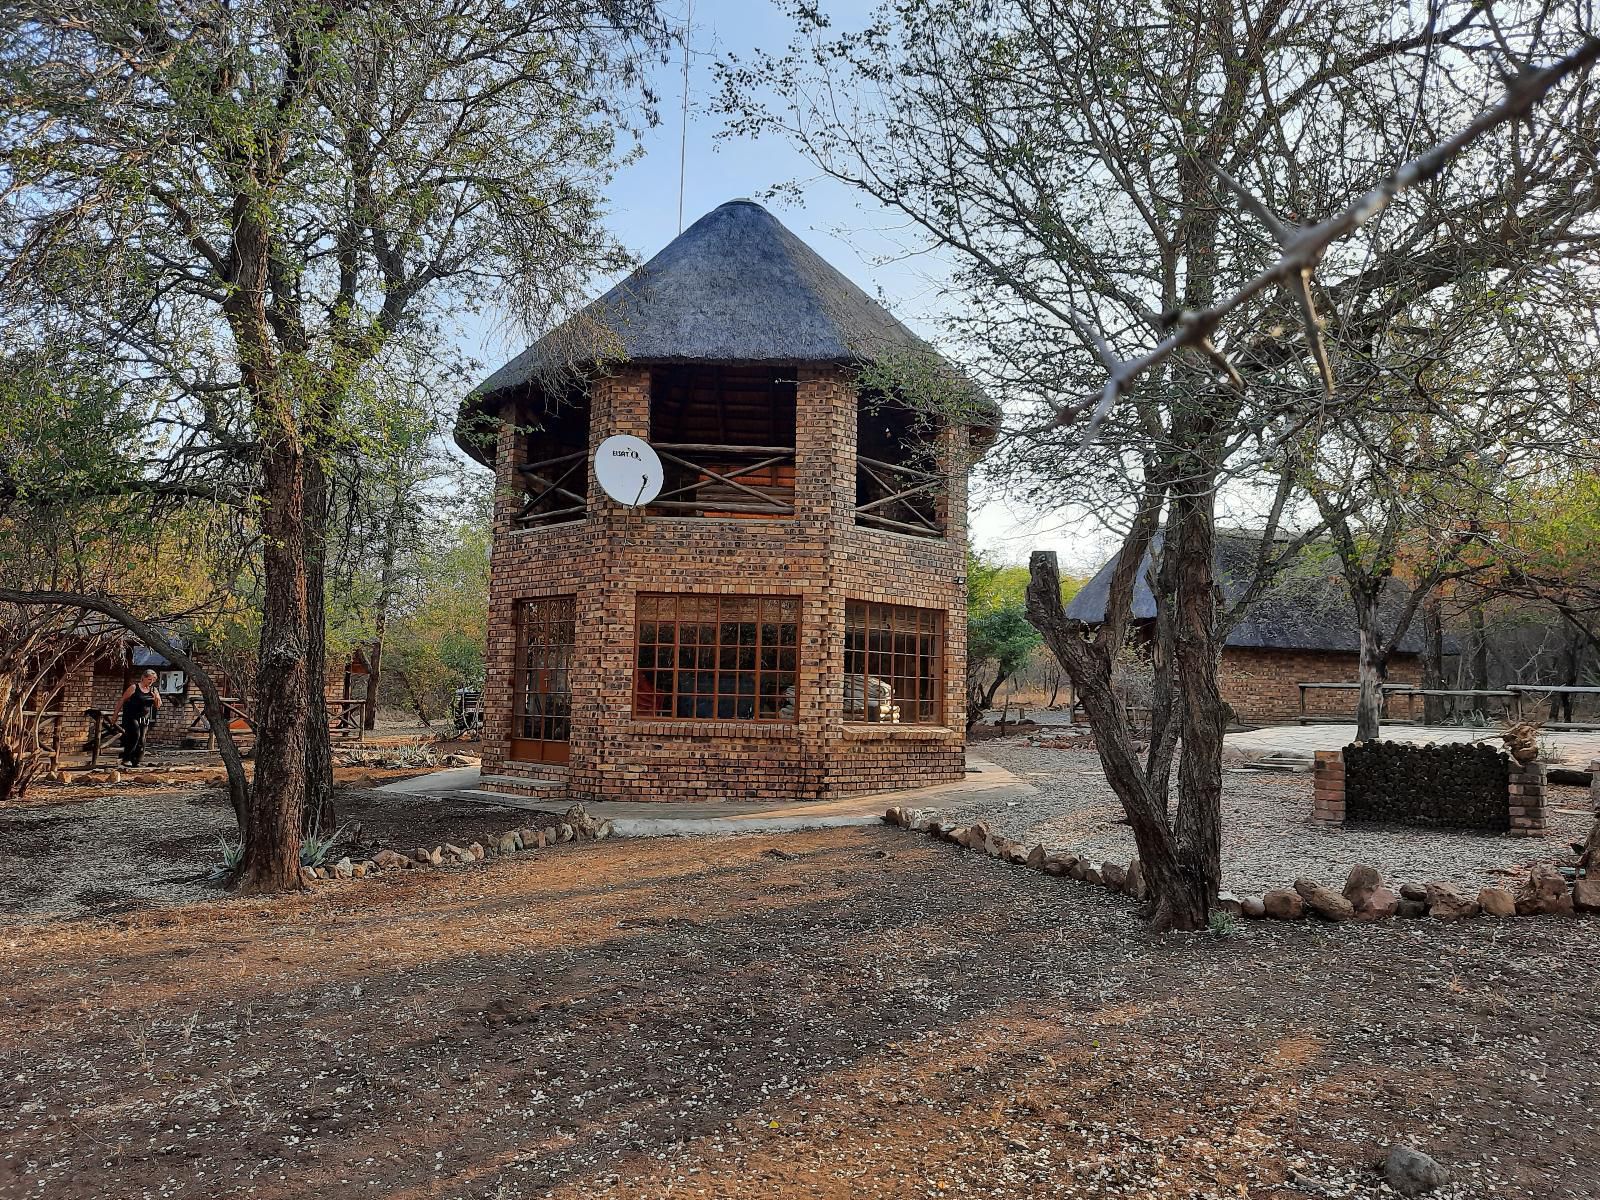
<point x="576" y="826"/>
<point x="1364" y="897"/>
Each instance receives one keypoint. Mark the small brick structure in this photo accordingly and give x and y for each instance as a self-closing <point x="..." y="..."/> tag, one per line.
<point x="1262" y="685"/>
<point x="599" y="680"/>
<point x="1524" y="792"/>
<point x="1527" y="799"/>
<point x="1302" y="629"/>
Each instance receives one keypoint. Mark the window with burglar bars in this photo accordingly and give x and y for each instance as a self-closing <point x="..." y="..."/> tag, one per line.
<point x="541" y="699"/>
<point x="893" y="664"/>
<point x="716" y="658"/>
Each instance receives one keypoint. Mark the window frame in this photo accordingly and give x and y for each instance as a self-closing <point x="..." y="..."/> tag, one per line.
<point x="555" y="666"/>
<point x="928" y="623"/>
<point x="690" y="609"/>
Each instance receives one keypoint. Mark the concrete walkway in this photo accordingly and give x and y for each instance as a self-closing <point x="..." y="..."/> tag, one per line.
<point x="985" y="782"/>
<point x="1576" y="748"/>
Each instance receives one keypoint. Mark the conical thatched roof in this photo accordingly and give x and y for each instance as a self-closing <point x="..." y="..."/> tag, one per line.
<point x="735" y="287"/>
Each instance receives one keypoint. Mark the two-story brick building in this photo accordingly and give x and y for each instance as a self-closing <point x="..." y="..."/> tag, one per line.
<point x="786" y="619"/>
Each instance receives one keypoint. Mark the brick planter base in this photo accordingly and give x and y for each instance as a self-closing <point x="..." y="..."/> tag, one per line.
<point x="1524" y="799"/>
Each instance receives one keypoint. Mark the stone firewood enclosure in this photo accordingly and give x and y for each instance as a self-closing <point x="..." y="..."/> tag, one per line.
<point x="1462" y="786"/>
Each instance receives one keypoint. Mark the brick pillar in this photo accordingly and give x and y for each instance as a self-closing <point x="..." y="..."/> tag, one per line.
<point x="1327" y="802"/>
<point x="956" y="460"/>
<point x="1527" y="798"/>
<point x="1594" y="784"/>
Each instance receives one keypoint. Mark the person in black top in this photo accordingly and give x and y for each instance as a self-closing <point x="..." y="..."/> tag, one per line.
<point x="137" y="708"/>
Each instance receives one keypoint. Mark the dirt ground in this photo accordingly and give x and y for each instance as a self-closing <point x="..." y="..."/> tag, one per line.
<point x="865" y="1014"/>
<point x="69" y="851"/>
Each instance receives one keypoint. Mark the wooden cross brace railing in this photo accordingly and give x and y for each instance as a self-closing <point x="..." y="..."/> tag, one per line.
<point x="766" y="458"/>
<point x="544" y="474"/>
<point x="892" y="478"/>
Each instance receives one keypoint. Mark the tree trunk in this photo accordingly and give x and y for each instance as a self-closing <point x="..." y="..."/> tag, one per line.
<point x="319" y="815"/>
<point x="1184" y="901"/>
<point x="369" y="709"/>
<point x="283" y="684"/>
<point x="391" y="535"/>
<point x="1432" y="660"/>
<point x="416" y="700"/>
<point x="988" y="697"/>
<point x="1372" y="665"/>
<point x="1181" y="868"/>
<point x="1571" y="663"/>
<point x="1480" y="648"/>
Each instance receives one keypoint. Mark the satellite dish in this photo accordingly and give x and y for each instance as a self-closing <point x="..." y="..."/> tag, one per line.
<point x="628" y="470"/>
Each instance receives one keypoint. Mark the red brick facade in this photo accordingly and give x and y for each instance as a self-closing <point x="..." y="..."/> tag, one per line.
<point x="1261" y="684"/>
<point x="819" y="554"/>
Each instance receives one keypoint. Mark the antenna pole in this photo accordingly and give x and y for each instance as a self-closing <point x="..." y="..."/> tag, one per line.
<point x="683" y="132"/>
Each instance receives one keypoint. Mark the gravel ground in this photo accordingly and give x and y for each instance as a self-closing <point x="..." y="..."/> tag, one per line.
<point x="869" y="1016"/>
<point x="1267" y="837"/>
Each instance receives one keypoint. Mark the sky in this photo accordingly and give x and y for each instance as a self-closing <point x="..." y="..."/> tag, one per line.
<point x="847" y="228"/>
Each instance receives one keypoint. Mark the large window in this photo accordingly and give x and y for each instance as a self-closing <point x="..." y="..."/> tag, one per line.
<point x="717" y="658"/>
<point x="541" y="695"/>
<point x="893" y="664"/>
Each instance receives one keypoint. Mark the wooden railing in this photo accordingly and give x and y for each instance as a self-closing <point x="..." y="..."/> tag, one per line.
<point x="47" y="728"/>
<point x="910" y="493"/>
<point x="551" y="478"/>
<point x="239" y="720"/>
<point x="705" y="480"/>
<point x="344" y="719"/>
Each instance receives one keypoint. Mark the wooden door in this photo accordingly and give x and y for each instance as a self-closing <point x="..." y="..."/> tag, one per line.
<point x="541" y="701"/>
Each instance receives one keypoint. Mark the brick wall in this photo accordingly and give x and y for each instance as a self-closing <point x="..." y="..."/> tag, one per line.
<point x="1260" y="684"/>
<point x="819" y="555"/>
<point x="1525" y="795"/>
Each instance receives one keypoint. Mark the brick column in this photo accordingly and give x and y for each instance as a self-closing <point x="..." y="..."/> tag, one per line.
<point x="1527" y="798"/>
<point x="1327" y="801"/>
<point x="1594" y="784"/>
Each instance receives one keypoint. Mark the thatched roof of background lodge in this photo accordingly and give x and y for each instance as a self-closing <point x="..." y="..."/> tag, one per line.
<point x="737" y="286"/>
<point x="1304" y="610"/>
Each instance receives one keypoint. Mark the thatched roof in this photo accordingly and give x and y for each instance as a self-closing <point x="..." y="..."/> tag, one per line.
<point x="737" y="286"/>
<point x="1306" y="609"/>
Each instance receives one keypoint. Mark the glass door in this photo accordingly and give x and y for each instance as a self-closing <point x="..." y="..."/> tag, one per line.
<point x="541" y="700"/>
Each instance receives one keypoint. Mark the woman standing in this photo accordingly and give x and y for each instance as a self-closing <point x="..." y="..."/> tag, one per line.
<point x="138" y="707"/>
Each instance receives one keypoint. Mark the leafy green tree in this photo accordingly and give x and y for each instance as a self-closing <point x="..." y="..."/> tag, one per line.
<point x="80" y="514"/>
<point x="1000" y="639"/>
<point x="440" y="629"/>
<point x="1163" y="220"/>
<point x="257" y="208"/>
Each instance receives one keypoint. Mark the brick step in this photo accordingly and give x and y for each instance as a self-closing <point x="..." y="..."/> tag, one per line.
<point x="1283" y="762"/>
<point x="516" y="785"/>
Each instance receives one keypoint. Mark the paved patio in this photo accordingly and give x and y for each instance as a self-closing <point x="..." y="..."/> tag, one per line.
<point x="985" y="783"/>
<point x="1575" y="748"/>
